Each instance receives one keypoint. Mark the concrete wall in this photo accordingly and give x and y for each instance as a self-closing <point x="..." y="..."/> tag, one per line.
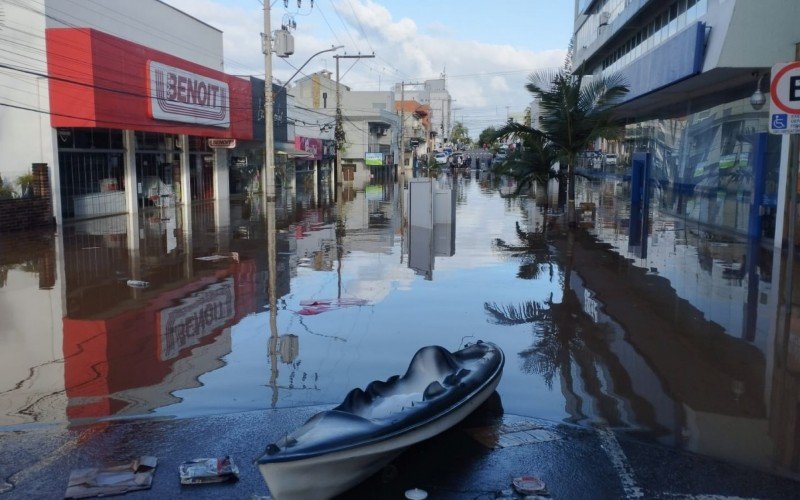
<point x="25" y="133"/>
<point x="147" y="22"/>
<point x="760" y="34"/>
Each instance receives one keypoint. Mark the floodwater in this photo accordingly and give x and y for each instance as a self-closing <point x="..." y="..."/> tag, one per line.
<point x="673" y="338"/>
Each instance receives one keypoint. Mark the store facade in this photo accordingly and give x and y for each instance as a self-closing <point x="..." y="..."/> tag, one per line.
<point x="132" y="124"/>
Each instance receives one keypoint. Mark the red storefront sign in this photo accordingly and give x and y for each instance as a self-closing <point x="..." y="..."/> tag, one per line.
<point x="100" y="81"/>
<point x="183" y="96"/>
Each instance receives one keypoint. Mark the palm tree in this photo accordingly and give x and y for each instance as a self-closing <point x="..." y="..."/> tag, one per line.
<point x="576" y="112"/>
<point x="533" y="164"/>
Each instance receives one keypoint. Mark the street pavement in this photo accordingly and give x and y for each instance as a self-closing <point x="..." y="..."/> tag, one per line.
<point x="478" y="458"/>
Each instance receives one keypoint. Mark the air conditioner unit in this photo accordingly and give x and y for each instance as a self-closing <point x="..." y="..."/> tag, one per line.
<point x="604" y="18"/>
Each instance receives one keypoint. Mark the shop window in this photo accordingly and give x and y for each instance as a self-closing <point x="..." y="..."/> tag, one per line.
<point x="115" y="139"/>
<point x="100" y="139"/>
<point x="82" y="137"/>
<point x="198" y="144"/>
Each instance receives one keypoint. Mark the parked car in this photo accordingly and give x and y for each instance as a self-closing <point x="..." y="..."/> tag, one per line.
<point x="611" y="160"/>
<point x="441" y="158"/>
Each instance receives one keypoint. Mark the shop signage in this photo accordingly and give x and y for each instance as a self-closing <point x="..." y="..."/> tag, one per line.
<point x="309" y="145"/>
<point x="196" y="317"/>
<point x="784" y="97"/>
<point x="182" y="96"/>
<point x="371" y="159"/>
<point x="222" y="143"/>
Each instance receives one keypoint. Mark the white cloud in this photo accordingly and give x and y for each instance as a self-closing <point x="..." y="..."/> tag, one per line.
<point x="481" y="77"/>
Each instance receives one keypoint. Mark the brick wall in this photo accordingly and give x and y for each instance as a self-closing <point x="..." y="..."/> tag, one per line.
<point x="23" y="213"/>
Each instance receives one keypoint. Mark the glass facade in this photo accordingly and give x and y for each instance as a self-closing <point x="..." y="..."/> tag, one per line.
<point x="90" y="163"/>
<point x="705" y="168"/>
<point x="674" y="18"/>
<point x="158" y="172"/>
<point x="601" y="15"/>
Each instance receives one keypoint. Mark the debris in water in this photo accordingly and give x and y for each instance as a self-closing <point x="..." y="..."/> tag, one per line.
<point x="528" y="485"/>
<point x="138" y="284"/>
<point x="113" y="480"/>
<point x="212" y="258"/>
<point x="416" y="494"/>
<point x="208" y="470"/>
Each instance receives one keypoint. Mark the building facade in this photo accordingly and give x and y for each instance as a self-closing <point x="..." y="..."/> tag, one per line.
<point x="370" y="123"/>
<point x="691" y="66"/>
<point x="126" y="103"/>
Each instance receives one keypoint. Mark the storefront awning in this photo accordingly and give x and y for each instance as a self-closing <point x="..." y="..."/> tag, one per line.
<point x="288" y="149"/>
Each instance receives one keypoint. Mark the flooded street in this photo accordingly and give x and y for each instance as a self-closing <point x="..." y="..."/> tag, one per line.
<point x="671" y="337"/>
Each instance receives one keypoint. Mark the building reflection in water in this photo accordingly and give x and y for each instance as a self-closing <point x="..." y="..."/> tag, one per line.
<point x="681" y="340"/>
<point x="430" y="209"/>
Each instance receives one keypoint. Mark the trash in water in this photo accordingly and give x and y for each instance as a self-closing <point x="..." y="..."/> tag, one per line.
<point x="312" y="307"/>
<point x="212" y="258"/>
<point x="113" y="480"/>
<point x="138" y="284"/>
<point x="416" y="494"/>
<point x="528" y="485"/>
<point x="208" y="470"/>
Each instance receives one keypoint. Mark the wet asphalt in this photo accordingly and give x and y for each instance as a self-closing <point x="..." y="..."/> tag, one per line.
<point x="574" y="462"/>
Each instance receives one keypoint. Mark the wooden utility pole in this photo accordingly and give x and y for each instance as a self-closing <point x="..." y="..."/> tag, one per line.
<point x="269" y="139"/>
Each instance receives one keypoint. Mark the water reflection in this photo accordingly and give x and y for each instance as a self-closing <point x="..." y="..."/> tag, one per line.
<point x="294" y="302"/>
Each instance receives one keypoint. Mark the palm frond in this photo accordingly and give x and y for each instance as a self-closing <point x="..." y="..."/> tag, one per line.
<point x="527" y="312"/>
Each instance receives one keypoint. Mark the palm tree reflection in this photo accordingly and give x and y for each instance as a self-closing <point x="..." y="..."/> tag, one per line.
<point x="557" y="329"/>
<point x="532" y="250"/>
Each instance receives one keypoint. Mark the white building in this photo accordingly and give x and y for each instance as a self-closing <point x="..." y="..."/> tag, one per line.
<point x="370" y="124"/>
<point x="433" y="93"/>
<point x="82" y="94"/>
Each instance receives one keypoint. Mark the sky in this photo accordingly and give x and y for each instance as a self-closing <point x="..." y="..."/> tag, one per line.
<point x="486" y="49"/>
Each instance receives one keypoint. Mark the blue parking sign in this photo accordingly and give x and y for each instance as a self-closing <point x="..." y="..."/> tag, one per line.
<point x="780" y="121"/>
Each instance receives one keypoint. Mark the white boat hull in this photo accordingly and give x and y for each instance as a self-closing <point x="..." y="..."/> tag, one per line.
<point x="328" y="475"/>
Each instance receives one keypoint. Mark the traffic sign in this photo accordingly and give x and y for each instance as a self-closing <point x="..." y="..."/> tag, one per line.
<point x="784" y="99"/>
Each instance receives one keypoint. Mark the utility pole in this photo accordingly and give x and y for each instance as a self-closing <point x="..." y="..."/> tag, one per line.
<point x="269" y="139"/>
<point x="339" y="133"/>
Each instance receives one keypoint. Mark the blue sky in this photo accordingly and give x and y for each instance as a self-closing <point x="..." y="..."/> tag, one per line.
<point x="487" y="48"/>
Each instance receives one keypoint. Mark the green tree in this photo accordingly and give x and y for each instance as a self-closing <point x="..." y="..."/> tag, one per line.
<point x="459" y="134"/>
<point x="534" y="163"/>
<point x="487" y="136"/>
<point x="574" y="113"/>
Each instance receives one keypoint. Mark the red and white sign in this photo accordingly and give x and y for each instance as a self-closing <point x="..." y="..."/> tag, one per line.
<point x="181" y="96"/>
<point x="784" y="96"/>
<point x="222" y="143"/>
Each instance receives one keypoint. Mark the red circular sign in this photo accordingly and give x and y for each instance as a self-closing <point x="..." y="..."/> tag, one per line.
<point x="780" y="85"/>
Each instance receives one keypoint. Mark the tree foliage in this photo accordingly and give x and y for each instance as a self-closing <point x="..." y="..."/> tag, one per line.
<point x="487" y="136"/>
<point x="459" y="134"/>
<point x="575" y="111"/>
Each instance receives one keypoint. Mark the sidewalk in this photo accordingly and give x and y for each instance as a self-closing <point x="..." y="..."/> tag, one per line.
<point x="573" y="462"/>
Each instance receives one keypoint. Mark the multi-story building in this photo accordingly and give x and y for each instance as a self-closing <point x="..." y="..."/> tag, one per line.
<point x="370" y="123"/>
<point x="692" y="66"/>
<point x="433" y="93"/>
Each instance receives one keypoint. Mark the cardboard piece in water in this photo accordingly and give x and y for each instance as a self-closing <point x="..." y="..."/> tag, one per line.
<point x="113" y="480"/>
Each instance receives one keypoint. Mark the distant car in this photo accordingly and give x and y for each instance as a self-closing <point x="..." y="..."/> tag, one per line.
<point x="611" y="160"/>
<point x="441" y="158"/>
<point x="500" y="157"/>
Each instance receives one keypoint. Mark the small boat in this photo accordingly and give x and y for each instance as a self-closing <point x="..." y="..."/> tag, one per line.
<point x="337" y="449"/>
